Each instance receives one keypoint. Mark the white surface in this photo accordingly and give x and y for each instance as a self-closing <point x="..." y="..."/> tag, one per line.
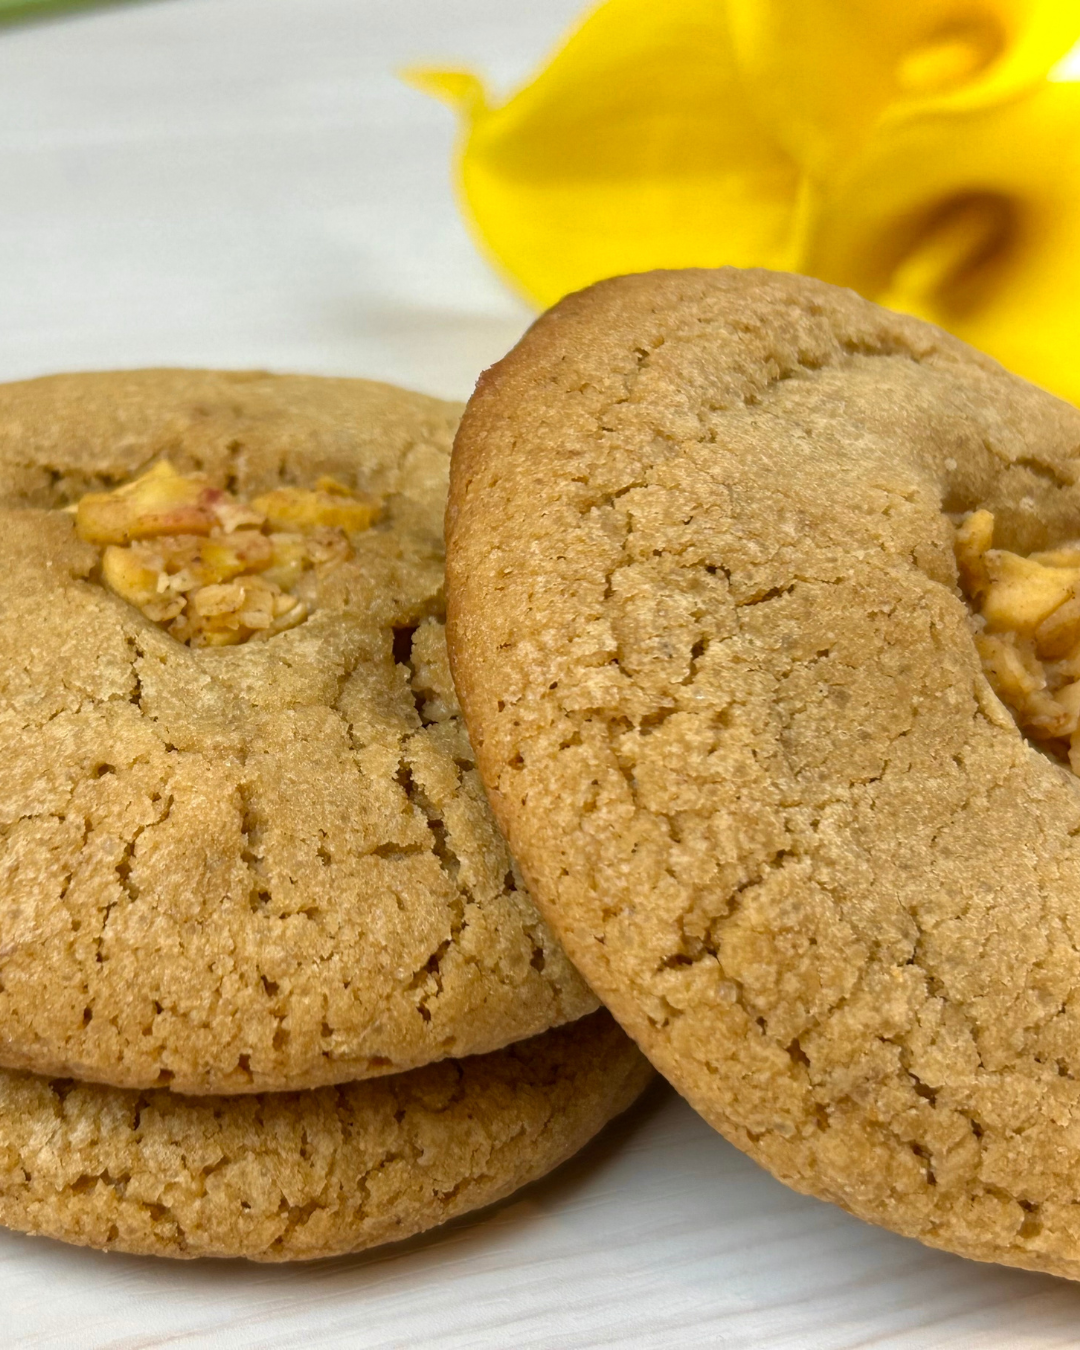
<point x="226" y="182"/>
<point x="244" y="183"/>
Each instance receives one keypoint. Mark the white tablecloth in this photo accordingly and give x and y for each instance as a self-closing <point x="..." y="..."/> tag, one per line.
<point x="245" y="183"/>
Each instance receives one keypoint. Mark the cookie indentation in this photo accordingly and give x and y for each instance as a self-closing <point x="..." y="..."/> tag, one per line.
<point x="1028" y="615"/>
<point x="211" y="568"/>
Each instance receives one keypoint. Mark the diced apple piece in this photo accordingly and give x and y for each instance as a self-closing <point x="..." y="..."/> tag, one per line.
<point x="1012" y="671"/>
<point x="1066" y="556"/>
<point x="161" y="501"/>
<point x="327" y="547"/>
<point x="1065" y="670"/>
<point x="130" y="575"/>
<point x="336" y="488"/>
<point x="1069" y="699"/>
<point x="216" y="637"/>
<point x="163" y="609"/>
<point x="1019" y="680"/>
<point x="213" y="559"/>
<point x="221" y="559"/>
<point x="1022" y="593"/>
<point x="257" y="611"/>
<point x="305" y="509"/>
<point x="233" y="515"/>
<point x="1059" y="634"/>
<point x="288" y="560"/>
<point x="217" y="599"/>
<point x="197" y="559"/>
<point x="1048" y="719"/>
<point x="1030" y="644"/>
<point x="974" y="535"/>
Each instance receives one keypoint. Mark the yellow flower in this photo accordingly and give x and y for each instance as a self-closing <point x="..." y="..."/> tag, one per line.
<point x="827" y="73"/>
<point x="971" y="220"/>
<point x="912" y="149"/>
<point x="635" y="148"/>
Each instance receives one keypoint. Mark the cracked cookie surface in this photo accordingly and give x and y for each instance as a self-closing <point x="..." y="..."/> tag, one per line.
<point x="257" y="867"/>
<point x="294" y="1176"/>
<point x="724" y="690"/>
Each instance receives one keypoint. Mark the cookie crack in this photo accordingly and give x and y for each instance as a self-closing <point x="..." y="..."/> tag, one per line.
<point x="123" y="870"/>
<point x="137" y="654"/>
<point x="429" y="976"/>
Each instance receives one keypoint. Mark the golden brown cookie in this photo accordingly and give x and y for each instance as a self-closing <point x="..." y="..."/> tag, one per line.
<point x="260" y="866"/>
<point x="292" y="1176"/>
<point x="725" y="694"/>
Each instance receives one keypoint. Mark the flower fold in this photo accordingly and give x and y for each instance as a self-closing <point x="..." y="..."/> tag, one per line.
<point x="635" y="148"/>
<point x="971" y="220"/>
<point x="916" y="152"/>
<point x="825" y="74"/>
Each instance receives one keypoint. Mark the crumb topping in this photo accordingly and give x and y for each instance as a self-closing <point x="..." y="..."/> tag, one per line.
<point x="1028" y="613"/>
<point x="211" y="568"/>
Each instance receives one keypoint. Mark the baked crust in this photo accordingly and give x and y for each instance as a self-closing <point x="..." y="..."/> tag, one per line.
<point x="259" y="867"/>
<point x="725" y="696"/>
<point x="299" y="1175"/>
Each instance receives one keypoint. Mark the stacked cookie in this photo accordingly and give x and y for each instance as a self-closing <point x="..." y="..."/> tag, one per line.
<point x="270" y="984"/>
<point x="742" y="668"/>
<point x="737" y="714"/>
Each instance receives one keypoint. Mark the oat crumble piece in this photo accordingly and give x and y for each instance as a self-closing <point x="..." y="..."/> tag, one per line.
<point x="215" y="570"/>
<point x="1028" y="619"/>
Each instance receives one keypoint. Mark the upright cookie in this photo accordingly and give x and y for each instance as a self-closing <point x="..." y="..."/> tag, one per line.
<point x="298" y="1175"/>
<point x="727" y="699"/>
<point x="261" y="865"/>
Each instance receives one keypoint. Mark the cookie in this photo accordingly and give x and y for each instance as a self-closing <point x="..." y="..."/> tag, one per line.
<point x="293" y="1176"/>
<point x="258" y="866"/>
<point x="727" y="698"/>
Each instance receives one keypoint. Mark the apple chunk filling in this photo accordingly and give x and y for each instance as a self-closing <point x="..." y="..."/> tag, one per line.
<point x="1028" y="615"/>
<point x="213" y="569"/>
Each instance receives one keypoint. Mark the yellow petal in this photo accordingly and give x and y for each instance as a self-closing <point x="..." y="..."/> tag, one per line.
<point x="460" y="88"/>
<point x="825" y="72"/>
<point x="971" y="220"/>
<point x="635" y="148"/>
